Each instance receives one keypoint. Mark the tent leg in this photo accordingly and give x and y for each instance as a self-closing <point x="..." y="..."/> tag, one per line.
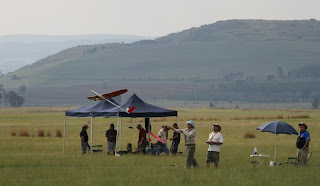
<point x="275" y="149"/>
<point x="64" y="134"/>
<point x="117" y="136"/>
<point x="120" y="134"/>
<point x="91" y="134"/>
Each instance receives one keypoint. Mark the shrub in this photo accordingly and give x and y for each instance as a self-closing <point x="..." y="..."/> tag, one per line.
<point x="24" y="132"/>
<point x="58" y="133"/>
<point x="279" y="116"/>
<point x="249" y="135"/>
<point x="41" y="133"/>
<point x="49" y="133"/>
<point x="13" y="132"/>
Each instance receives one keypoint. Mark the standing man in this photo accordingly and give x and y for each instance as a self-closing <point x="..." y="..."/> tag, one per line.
<point x="189" y="136"/>
<point x="215" y="141"/>
<point x="303" y="141"/>
<point x="175" y="140"/>
<point x="163" y="134"/>
<point x="142" y="142"/>
<point x="84" y="139"/>
<point x="111" y="135"/>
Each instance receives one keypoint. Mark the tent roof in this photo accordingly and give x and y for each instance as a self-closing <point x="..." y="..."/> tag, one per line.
<point x="144" y="109"/>
<point x="105" y="109"/>
<point x="98" y="109"/>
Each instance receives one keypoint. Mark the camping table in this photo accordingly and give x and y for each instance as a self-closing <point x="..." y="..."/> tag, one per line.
<point x="96" y="148"/>
<point x="259" y="158"/>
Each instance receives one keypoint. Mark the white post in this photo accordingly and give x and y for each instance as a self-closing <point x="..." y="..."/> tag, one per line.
<point x="120" y="134"/>
<point x="64" y="133"/>
<point x="275" y="149"/>
<point x="117" y="135"/>
<point x="91" y="133"/>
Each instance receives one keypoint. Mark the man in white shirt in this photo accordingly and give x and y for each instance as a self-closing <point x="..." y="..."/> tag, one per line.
<point x="163" y="134"/>
<point x="215" y="141"/>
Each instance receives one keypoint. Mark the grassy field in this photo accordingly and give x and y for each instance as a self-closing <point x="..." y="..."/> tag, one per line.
<point x="37" y="160"/>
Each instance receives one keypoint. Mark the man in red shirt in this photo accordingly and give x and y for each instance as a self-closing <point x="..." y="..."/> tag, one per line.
<point x="142" y="142"/>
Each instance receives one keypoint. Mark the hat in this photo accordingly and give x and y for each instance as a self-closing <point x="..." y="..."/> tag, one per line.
<point x="305" y="125"/>
<point x="85" y="126"/>
<point x="139" y="125"/>
<point x="219" y="127"/>
<point x="111" y="124"/>
<point x="191" y="123"/>
<point x="175" y="124"/>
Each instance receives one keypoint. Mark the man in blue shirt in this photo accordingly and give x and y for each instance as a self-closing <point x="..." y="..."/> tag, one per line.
<point x="303" y="144"/>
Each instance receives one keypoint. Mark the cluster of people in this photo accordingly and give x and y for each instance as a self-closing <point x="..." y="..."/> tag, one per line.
<point x="215" y="140"/>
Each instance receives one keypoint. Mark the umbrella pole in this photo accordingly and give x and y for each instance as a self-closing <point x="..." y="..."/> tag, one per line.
<point x="275" y="149"/>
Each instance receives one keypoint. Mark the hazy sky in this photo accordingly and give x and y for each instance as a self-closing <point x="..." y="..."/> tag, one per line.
<point x="140" y="17"/>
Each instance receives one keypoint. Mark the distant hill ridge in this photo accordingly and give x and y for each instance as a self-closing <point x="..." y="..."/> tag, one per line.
<point x="254" y="47"/>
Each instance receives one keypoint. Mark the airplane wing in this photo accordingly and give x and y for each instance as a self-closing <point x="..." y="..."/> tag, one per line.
<point x="108" y="95"/>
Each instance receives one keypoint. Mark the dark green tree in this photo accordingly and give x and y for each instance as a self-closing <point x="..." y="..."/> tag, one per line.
<point x="315" y="103"/>
<point x="14" y="99"/>
<point x="211" y="104"/>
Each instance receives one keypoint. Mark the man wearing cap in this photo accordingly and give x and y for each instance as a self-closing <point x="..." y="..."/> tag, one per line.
<point x="303" y="141"/>
<point x="84" y="139"/>
<point x="111" y="135"/>
<point x="215" y="141"/>
<point x="189" y="136"/>
<point x="142" y="142"/>
<point x="175" y="140"/>
<point x="163" y="134"/>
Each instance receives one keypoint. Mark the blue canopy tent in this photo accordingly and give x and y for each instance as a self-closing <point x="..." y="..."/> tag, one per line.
<point x="142" y="110"/>
<point x="98" y="109"/>
<point x="105" y="109"/>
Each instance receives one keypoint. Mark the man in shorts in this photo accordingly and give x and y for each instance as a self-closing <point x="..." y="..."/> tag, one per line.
<point x="215" y="141"/>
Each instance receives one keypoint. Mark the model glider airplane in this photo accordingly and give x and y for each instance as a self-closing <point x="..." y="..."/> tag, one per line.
<point x="107" y="96"/>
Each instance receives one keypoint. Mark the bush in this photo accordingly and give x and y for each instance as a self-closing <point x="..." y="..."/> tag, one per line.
<point x="49" y="133"/>
<point x="58" y="133"/>
<point x="249" y="135"/>
<point x="41" y="133"/>
<point x="13" y="132"/>
<point x="24" y="132"/>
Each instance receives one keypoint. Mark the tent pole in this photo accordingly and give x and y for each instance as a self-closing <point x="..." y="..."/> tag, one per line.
<point x="149" y="128"/>
<point x="64" y="133"/>
<point x="275" y="149"/>
<point x="117" y="135"/>
<point x="120" y="134"/>
<point x="91" y="134"/>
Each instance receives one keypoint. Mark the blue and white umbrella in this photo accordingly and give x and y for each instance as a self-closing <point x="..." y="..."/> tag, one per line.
<point x="277" y="127"/>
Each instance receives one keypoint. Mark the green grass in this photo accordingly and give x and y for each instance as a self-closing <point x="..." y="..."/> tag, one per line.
<point x="39" y="160"/>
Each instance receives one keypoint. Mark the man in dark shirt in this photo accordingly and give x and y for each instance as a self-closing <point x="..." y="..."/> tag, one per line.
<point x="84" y="139"/>
<point x="175" y="140"/>
<point x="111" y="135"/>
<point x="142" y="142"/>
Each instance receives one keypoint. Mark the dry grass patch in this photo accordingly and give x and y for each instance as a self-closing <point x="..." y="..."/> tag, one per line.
<point x="24" y="132"/>
<point x="58" y="133"/>
<point x="249" y="134"/>
<point x="13" y="132"/>
<point x="49" y="133"/>
<point x="41" y="133"/>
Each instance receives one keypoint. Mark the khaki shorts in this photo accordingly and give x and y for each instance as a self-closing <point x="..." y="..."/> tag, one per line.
<point x="212" y="157"/>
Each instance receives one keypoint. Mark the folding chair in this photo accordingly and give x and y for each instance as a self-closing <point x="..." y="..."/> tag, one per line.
<point x="293" y="160"/>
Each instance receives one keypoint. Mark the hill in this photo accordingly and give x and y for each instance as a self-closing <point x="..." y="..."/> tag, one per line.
<point x="188" y="61"/>
<point x="17" y="51"/>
